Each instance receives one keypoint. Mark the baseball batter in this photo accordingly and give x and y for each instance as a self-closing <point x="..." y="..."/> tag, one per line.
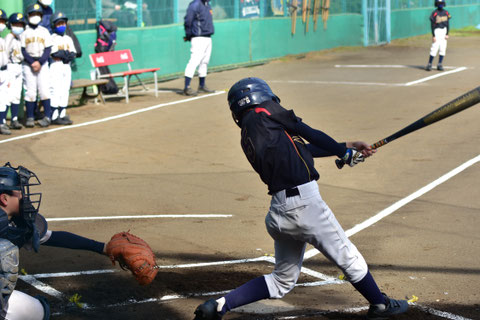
<point x="272" y="140"/>
<point x="63" y="53"/>
<point x="4" y="77"/>
<point x="198" y="30"/>
<point x="36" y="49"/>
<point x="439" y="20"/>
<point x="22" y="226"/>
<point x="17" y="24"/>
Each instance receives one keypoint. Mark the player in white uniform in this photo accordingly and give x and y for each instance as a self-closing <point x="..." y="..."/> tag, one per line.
<point x="36" y="49"/>
<point x="17" y="24"/>
<point x="4" y="78"/>
<point x="63" y="53"/>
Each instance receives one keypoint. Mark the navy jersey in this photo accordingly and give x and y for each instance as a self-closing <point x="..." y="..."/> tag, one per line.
<point x="199" y="19"/>
<point x="280" y="158"/>
<point x="439" y="19"/>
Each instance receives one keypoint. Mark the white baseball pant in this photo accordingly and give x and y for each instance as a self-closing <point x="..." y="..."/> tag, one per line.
<point x="440" y="43"/>
<point x="16" y="82"/>
<point x="61" y="77"/>
<point x="21" y="306"/>
<point x="4" y="79"/>
<point x="295" y="221"/>
<point x="200" y="51"/>
<point x="36" y="81"/>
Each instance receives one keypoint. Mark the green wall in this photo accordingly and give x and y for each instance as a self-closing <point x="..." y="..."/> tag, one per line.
<point x="414" y="22"/>
<point x="235" y="42"/>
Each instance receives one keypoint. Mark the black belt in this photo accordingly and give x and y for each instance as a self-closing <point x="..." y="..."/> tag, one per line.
<point x="292" y="192"/>
<point x="3" y="68"/>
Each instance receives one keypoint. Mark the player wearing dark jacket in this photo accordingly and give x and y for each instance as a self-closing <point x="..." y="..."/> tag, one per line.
<point x="272" y="139"/>
<point x="439" y="22"/>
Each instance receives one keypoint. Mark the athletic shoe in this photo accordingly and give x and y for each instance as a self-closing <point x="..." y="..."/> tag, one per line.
<point x="30" y="123"/>
<point x="207" y="311"/>
<point x="45" y="122"/>
<point x="439" y="67"/>
<point x="189" y="92"/>
<point x="205" y="89"/>
<point x="4" y="129"/>
<point x="15" y="125"/>
<point x="428" y="67"/>
<point x="391" y="308"/>
<point x="62" y="121"/>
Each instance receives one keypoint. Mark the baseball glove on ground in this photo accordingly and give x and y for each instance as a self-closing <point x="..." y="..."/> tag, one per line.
<point x="134" y="254"/>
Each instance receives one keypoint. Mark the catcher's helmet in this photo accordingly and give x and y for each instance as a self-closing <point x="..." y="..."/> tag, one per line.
<point x="57" y="16"/>
<point x="246" y="93"/>
<point x="16" y="17"/>
<point x="440" y="2"/>
<point x="9" y="180"/>
<point x="34" y="8"/>
<point x="3" y="15"/>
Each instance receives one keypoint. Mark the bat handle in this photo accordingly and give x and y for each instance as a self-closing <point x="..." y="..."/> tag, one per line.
<point x="339" y="163"/>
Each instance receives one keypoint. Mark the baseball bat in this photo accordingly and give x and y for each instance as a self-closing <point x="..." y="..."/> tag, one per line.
<point x="458" y="104"/>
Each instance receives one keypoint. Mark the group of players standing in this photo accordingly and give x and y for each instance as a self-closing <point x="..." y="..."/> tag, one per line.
<point x="36" y="56"/>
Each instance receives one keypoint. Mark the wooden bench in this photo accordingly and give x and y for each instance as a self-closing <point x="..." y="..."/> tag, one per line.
<point x="85" y="83"/>
<point x="109" y="58"/>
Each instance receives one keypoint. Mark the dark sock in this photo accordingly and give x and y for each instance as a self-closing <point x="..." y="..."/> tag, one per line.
<point x="369" y="289"/>
<point x="430" y="60"/>
<point x="46" y="108"/>
<point x="3" y="116"/>
<point x="249" y="292"/>
<point x="202" y="81"/>
<point x="30" y="108"/>
<point x="14" y="110"/>
<point x="187" y="82"/>
<point x="440" y="59"/>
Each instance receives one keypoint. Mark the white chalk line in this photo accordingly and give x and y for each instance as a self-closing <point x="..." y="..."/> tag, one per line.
<point x="148" y="216"/>
<point x="387" y="66"/>
<point x="119" y="116"/>
<point x="397" y="205"/>
<point x="407" y="84"/>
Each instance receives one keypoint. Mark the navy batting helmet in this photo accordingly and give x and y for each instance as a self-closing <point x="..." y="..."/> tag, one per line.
<point x="246" y="93"/>
<point x="3" y="15"/>
<point x="440" y="2"/>
<point x="57" y="16"/>
<point x="16" y="17"/>
<point x="34" y="8"/>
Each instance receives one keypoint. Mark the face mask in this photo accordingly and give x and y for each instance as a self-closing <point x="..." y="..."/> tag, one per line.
<point x="60" y="29"/>
<point x="17" y="30"/>
<point x="46" y="2"/>
<point x="2" y="27"/>
<point x="35" y="20"/>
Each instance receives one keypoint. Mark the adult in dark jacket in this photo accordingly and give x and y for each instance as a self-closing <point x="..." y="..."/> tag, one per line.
<point x="198" y="30"/>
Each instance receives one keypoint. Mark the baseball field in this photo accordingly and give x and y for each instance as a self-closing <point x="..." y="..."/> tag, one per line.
<point x="171" y="170"/>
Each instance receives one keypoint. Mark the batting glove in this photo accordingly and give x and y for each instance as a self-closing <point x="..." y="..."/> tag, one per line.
<point x="352" y="157"/>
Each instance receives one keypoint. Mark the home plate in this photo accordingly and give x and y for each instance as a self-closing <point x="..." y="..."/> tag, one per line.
<point x="265" y="307"/>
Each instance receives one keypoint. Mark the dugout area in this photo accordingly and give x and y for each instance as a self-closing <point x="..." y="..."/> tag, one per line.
<point x="183" y="157"/>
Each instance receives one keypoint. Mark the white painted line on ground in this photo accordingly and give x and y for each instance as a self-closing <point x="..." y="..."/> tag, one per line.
<point x="399" y="66"/>
<point x="148" y="216"/>
<point x="72" y="274"/>
<point x="42" y="286"/>
<point x="439" y="313"/>
<point x="435" y="76"/>
<point x="338" y="82"/>
<point x="119" y="116"/>
<point x="397" y="205"/>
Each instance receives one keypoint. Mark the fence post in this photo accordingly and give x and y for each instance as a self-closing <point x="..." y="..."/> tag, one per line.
<point x="175" y="11"/>
<point x="98" y="12"/>
<point x="236" y="9"/>
<point x="365" y="23"/>
<point x="388" y="15"/>
<point x="139" y="13"/>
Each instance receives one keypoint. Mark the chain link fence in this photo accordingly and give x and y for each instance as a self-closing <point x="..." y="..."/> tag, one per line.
<point x="83" y="14"/>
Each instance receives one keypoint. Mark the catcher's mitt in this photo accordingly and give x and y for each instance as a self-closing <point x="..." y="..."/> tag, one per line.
<point x="134" y="254"/>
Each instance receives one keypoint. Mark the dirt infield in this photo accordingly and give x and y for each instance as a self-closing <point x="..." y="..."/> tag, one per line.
<point x="183" y="158"/>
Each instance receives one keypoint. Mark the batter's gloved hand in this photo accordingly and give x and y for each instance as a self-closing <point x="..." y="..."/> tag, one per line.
<point x="352" y="157"/>
<point x="134" y="254"/>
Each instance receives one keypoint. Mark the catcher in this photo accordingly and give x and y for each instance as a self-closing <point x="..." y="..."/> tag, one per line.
<point x="22" y="226"/>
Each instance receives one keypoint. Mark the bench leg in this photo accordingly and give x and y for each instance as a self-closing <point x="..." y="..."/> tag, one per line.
<point x="126" y="80"/>
<point x="156" y="84"/>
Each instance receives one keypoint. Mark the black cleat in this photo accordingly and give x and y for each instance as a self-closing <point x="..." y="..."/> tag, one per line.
<point x="45" y="122"/>
<point x="205" y="89"/>
<point x="30" y="123"/>
<point x="4" y="129"/>
<point x="392" y="307"/>
<point x="428" y="67"/>
<point x="439" y="67"/>
<point x="207" y="311"/>
<point x="189" y="92"/>
<point x="15" y="125"/>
